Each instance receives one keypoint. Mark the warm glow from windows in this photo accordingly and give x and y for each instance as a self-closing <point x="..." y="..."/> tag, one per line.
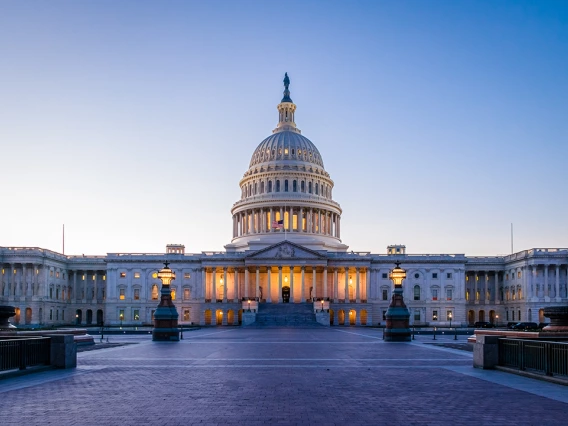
<point x="122" y="297"/>
<point x="123" y="275"/>
<point x="173" y="293"/>
<point x="104" y="277"/>
<point x="155" y="275"/>
<point x="136" y="274"/>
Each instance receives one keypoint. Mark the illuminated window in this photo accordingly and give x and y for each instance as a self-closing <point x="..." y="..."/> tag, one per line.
<point x="83" y="277"/>
<point x="136" y="274"/>
<point x="123" y="275"/>
<point x="434" y="315"/>
<point x="186" y="314"/>
<point x="286" y="151"/>
<point x="186" y="276"/>
<point x="449" y="315"/>
<point x="136" y="315"/>
<point x="173" y="293"/>
<point x="104" y="277"/>
<point x="136" y="294"/>
<point x="154" y="292"/>
<point x="186" y="293"/>
<point x="121" y="315"/>
<point x="57" y="275"/>
<point x="519" y="276"/>
<point x="467" y="295"/>
<point x="122" y="294"/>
<point x="2" y="271"/>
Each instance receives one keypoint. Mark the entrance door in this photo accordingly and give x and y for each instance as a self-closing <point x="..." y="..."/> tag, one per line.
<point x="285" y="294"/>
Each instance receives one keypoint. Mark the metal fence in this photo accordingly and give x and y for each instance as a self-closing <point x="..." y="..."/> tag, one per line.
<point x="545" y="357"/>
<point x="20" y="353"/>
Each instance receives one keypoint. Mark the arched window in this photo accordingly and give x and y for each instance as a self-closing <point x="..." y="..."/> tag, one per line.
<point x="277" y="186"/>
<point x="317" y="192"/>
<point x="295" y="186"/>
<point x="416" y="292"/>
<point x="262" y="187"/>
<point x="173" y="293"/>
<point x="310" y="187"/>
<point x="286" y="185"/>
<point x="303" y="186"/>
<point x="154" y="292"/>
<point x="269" y="186"/>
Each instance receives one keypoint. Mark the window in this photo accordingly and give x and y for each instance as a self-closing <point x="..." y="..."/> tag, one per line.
<point x="416" y="292"/>
<point x="57" y="315"/>
<point x="417" y="276"/>
<point x="385" y="276"/>
<point x="467" y="295"/>
<point x="269" y="186"/>
<point x="310" y="187"/>
<point x="317" y="186"/>
<point x="303" y="186"/>
<point x="63" y="275"/>
<point x="186" y="275"/>
<point x="435" y="275"/>
<point x="434" y="294"/>
<point x="416" y="315"/>
<point x="384" y="315"/>
<point x="136" y="275"/>
<point x="121" y="315"/>
<point x="449" y="275"/>
<point x="434" y="315"/>
<point x="51" y="314"/>
<point x="50" y="273"/>
<point x="173" y="293"/>
<point x="136" y="294"/>
<point x="186" y="294"/>
<point x="506" y="277"/>
<point x="104" y="277"/>
<point x="286" y="185"/>
<point x="277" y="186"/>
<point x="449" y="315"/>
<point x="136" y="315"/>
<point x="57" y="294"/>
<point x="57" y="275"/>
<point x="513" y="315"/>
<point x="51" y="293"/>
<point x="385" y="294"/>
<point x="123" y="275"/>
<point x="519" y="276"/>
<point x="186" y="314"/>
<point x="122" y="292"/>
<point x="448" y="294"/>
<point x="295" y="186"/>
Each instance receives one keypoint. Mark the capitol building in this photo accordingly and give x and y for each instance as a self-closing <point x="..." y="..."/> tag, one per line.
<point x="286" y="249"/>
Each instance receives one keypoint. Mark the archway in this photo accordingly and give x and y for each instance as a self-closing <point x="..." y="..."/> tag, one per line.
<point x="28" y="315"/>
<point x="285" y="294"/>
<point x="89" y="317"/>
<point x="541" y="316"/>
<point x="470" y="317"/>
<point x="364" y="317"/>
<point x="100" y="318"/>
<point x="481" y="315"/>
<point x="240" y="316"/>
<point x="17" y="317"/>
<point x="230" y="317"/>
<point x="352" y="317"/>
<point x="78" y="316"/>
<point x="219" y="317"/>
<point x="208" y="317"/>
<point x="341" y="317"/>
<point x="492" y="317"/>
<point x="331" y="317"/>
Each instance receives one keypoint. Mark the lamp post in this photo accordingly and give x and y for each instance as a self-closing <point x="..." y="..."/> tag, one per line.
<point x="166" y="315"/>
<point x="322" y="305"/>
<point x="496" y="320"/>
<point x="121" y="318"/>
<point x="397" y="328"/>
<point x="450" y="315"/>
<point x="249" y="305"/>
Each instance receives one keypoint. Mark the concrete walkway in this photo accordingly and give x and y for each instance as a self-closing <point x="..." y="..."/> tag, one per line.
<point x="279" y="376"/>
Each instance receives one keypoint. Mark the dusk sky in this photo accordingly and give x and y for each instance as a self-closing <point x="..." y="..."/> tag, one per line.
<point x="132" y="122"/>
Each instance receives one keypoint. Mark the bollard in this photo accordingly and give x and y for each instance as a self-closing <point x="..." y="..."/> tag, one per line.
<point x="413" y="332"/>
<point x="455" y="333"/>
<point x="434" y="333"/>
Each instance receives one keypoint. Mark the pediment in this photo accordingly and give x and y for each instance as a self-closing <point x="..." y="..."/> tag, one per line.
<point x="286" y="250"/>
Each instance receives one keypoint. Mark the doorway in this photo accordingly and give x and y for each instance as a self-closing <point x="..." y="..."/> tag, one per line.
<point x="285" y="294"/>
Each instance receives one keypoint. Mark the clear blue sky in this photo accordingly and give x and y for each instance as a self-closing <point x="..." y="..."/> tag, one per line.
<point x="441" y="122"/>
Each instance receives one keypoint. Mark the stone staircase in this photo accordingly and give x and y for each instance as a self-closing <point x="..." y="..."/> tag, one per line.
<point x="286" y="315"/>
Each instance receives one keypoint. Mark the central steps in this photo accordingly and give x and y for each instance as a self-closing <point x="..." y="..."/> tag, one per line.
<point x="286" y="315"/>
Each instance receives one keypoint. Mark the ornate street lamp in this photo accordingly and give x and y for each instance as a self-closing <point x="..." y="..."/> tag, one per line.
<point x="397" y="328"/>
<point x="166" y="315"/>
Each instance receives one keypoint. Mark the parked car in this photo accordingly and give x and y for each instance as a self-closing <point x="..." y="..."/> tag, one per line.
<point x="525" y="326"/>
<point x="483" y="324"/>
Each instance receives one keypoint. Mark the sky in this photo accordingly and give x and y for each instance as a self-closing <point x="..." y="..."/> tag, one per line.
<point x="132" y="122"/>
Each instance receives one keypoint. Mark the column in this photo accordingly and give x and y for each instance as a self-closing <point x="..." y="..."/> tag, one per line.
<point x="486" y="283"/>
<point x="271" y="229"/>
<point x="204" y="282"/>
<point x="303" y="297"/>
<point x="546" y="293"/>
<point x="368" y="285"/>
<point x="291" y="281"/>
<point x="325" y="282"/>
<point x="301" y="224"/>
<point x="338" y="226"/>
<point x="35" y="278"/>
<point x="346" y="284"/>
<point x="269" y="273"/>
<point x="84" y="278"/>
<point x="95" y="285"/>
<point x="279" y="284"/>
<point x="314" y="284"/>
<point x="335" y="286"/>
<point x="257" y="291"/>
<point x="282" y="219"/>
<point x="214" y="285"/>
<point x="495" y="296"/>
<point x="319" y="221"/>
<point x="246" y="284"/>
<point x="23" y="285"/>
<point x="226" y="286"/>
<point x="557" y="287"/>
<point x="475" y="286"/>
<point x="236" y="285"/>
<point x="357" y="294"/>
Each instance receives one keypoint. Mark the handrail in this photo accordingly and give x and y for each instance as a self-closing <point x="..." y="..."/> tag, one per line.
<point x="544" y="357"/>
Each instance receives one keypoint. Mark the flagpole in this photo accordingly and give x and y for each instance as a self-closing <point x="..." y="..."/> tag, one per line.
<point x="512" y="238"/>
<point x="63" y="238"/>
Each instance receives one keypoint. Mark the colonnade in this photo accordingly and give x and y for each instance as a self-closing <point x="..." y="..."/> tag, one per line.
<point x="305" y="283"/>
<point x="295" y="219"/>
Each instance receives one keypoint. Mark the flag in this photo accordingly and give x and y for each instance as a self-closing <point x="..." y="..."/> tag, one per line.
<point x="278" y="224"/>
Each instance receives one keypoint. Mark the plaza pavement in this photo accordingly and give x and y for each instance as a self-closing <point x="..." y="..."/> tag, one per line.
<point x="334" y="376"/>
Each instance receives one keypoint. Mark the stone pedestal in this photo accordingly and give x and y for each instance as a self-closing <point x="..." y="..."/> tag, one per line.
<point x="63" y="351"/>
<point x="166" y="318"/>
<point x="248" y="318"/>
<point x="322" y="318"/>
<point x="486" y="351"/>
<point x="397" y="328"/>
<point x="5" y="313"/>
<point x="558" y="319"/>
